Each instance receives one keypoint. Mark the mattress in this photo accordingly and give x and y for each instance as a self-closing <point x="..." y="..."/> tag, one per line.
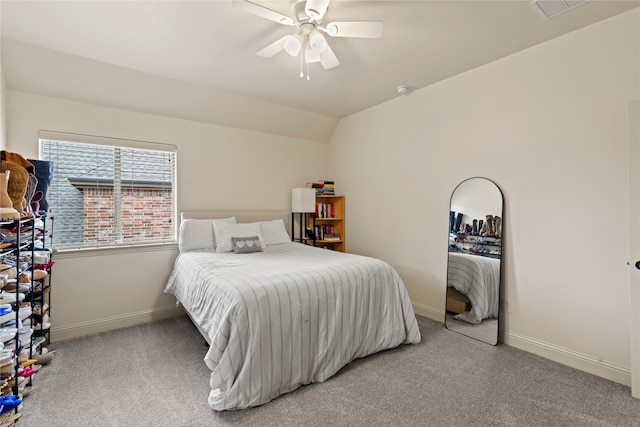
<point x="289" y="316"/>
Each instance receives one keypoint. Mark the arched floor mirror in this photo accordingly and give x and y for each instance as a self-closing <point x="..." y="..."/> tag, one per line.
<point x="474" y="260"/>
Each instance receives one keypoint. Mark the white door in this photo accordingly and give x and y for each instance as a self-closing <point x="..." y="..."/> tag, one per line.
<point x="634" y="267"/>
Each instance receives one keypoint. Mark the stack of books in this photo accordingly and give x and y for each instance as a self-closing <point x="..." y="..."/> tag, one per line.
<point x="323" y="187"/>
<point x="328" y="189"/>
<point x="322" y="232"/>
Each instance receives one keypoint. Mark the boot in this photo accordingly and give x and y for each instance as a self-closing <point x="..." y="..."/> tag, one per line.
<point x="30" y="192"/>
<point x="498" y="224"/>
<point x="17" y="187"/>
<point x="44" y="174"/>
<point x="452" y="221"/>
<point x="474" y="228"/>
<point x="7" y="212"/>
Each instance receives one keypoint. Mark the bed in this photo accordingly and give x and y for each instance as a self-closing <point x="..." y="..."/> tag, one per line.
<point x="286" y="315"/>
<point x="478" y="278"/>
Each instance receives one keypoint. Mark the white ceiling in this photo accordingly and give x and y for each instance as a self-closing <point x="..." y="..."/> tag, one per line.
<point x="201" y="54"/>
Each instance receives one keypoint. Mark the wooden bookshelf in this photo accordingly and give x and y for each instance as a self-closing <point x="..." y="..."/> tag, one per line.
<point x="328" y="223"/>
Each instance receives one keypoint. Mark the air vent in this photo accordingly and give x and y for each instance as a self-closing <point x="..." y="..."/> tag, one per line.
<point x="550" y="8"/>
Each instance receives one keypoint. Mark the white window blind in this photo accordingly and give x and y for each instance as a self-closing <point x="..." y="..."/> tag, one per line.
<point x="109" y="191"/>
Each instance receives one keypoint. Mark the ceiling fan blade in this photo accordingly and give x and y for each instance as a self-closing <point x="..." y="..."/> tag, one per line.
<point x="273" y="48"/>
<point x="364" y="29"/>
<point x="263" y="12"/>
<point x="315" y="9"/>
<point x="328" y="59"/>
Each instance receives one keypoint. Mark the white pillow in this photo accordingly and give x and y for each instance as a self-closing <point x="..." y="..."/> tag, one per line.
<point x="223" y="232"/>
<point x="197" y="234"/>
<point x="274" y="232"/>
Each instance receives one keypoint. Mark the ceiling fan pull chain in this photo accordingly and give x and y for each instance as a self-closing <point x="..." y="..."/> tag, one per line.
<point x="301" y="55"/>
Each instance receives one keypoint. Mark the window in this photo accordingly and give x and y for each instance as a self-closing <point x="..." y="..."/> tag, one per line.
<point x="109" y="192"/>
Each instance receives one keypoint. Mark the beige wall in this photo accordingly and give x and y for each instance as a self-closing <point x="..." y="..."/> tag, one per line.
<point x="3" y="109"/>
<point x="218" y="168"/>
<point x="548" y="125"/>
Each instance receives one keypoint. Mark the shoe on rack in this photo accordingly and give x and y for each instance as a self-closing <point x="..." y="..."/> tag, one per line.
<point x="39" y="274"/>
<point x="7" y="334"/>
<point x="9" y="270"/>
<point x="9" y="419"/>
<point x="24" y="312"/>
<point x="26" y="372"/>
<point x="10" y="297"/>
<point x="9" y="402"/>
<point x="41" y="326"/>
<point x="40" y="309"/>
<point x="21" y="287"/>
<point x="28" y="362"/>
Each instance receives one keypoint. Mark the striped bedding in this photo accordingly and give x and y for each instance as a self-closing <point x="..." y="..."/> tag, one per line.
<point x="478" y="278"/>
<point x="291" y="315"/>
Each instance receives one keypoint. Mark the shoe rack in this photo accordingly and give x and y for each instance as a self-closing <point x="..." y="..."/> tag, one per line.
<point x="25" y="301"/>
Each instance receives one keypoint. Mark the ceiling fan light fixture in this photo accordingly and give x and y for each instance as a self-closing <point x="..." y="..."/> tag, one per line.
<point x="293" y="44"/>
<point x="317" y="42"/>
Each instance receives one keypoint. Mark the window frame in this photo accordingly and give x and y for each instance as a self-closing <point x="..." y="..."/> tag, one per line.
<point x="114" y="142"/>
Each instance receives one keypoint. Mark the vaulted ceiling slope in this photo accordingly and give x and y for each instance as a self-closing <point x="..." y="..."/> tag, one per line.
<point x="197" y="60"/>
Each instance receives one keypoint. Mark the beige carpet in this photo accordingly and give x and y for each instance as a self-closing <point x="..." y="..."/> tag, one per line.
<point x="153" y="375"/>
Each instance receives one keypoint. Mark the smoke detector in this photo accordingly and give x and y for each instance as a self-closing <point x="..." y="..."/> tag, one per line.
<point x="403" y="90"/>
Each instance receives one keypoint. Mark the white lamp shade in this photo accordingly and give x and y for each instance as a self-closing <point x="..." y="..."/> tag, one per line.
<point x="317" y="42"/>
<point x="303" y="200"/>
<point x="292" y="44"/>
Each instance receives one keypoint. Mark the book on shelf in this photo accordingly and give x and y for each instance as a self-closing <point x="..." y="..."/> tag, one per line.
<point x="323" y="187"/>
<point x="320" y="232"/>
<point x="324" y="210"/>
<point x="331" y="237"/>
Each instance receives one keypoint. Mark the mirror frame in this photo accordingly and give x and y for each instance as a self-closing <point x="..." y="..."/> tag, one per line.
<point x="484" y="333"/>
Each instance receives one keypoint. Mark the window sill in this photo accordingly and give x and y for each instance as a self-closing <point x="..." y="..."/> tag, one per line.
<point x="115" y="250"/>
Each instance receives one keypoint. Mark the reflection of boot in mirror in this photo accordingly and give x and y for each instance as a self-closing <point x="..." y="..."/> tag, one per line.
<point x="474" y="229"/>
<point x="498" y="226"/>
<point x="458" y="222"/>
<point x="487" y="227"/>
<point x="452" y="221"/>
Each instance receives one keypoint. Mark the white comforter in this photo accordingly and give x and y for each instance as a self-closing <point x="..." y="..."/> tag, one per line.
<point x="478" y="278"/>
<point x="288" y="316"/>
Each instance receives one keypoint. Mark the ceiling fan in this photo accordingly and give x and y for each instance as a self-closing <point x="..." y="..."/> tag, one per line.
<point x="308" y="40"/>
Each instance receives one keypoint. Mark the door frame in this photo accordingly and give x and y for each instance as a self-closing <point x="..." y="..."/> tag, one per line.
<point x="633" y="135"/>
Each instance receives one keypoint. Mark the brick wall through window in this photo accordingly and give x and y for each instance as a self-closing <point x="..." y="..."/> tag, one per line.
<point x="146" y="215"/>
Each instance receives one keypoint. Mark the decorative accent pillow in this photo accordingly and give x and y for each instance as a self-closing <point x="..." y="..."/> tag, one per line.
<point x="197" y="234"/>
<point x="274" y="232"/>
<point x="223" y="232"/>
<point x="246" y="245"/>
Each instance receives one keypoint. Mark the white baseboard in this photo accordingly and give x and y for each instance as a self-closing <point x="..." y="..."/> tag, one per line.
<point x="568" y="357"/>
<point x="583" y="362"/>
<point x="115" y="322"/>
<point x="428" y="311"/>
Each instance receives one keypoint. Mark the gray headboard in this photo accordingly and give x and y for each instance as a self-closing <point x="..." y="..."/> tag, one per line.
<point x="241" y="215"/>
